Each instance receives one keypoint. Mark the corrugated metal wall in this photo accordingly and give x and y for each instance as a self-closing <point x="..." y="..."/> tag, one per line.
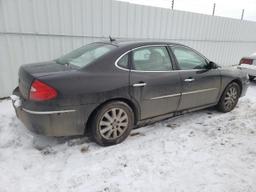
<point x="37" y="30"/>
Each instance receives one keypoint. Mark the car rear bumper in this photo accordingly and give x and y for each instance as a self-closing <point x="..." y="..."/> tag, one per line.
<point x="60" y="122"/>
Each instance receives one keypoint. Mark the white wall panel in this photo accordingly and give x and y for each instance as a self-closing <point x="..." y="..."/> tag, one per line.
<point x="39" y="30"/>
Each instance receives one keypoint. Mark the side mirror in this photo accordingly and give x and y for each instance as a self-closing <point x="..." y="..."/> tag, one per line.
<point x="211" y="65"/>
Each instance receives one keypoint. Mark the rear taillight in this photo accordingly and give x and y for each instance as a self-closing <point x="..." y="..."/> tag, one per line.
<point x="40" y="91"/>
<point x="246" y="61"/>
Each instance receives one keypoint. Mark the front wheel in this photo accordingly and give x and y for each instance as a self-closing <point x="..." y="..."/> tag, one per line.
<point x="112" y="123"/>
<point x="229" y="98"/>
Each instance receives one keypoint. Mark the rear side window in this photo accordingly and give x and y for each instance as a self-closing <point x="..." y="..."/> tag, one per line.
<point x="188" y="59"/>
<point x="86" y="54"/>
<point x="151" y="59"/>
<point x="123" y="62"/>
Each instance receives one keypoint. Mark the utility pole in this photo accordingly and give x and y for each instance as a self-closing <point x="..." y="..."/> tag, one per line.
<point x="213" y="11"/>
<point x="242" y="16"/>
<point x="172" y="4"/>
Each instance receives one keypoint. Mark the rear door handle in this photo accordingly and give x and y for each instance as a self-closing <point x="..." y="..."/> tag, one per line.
<point x="141" y="84"/>
<point x="189" y="80"/>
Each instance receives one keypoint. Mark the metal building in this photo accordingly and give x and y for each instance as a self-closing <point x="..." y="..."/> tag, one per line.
<point x="38" y="30"/>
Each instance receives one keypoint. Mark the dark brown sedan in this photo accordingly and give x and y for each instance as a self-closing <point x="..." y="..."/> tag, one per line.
<point x="107" y="88"/>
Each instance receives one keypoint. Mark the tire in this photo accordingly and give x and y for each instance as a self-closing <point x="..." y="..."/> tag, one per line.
<point x="112" y="123"/>
<point x="229" y="98"/>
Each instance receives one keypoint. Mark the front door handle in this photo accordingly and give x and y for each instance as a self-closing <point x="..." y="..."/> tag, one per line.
<point x="140" y="84"/>
<point x="189" y="80"/>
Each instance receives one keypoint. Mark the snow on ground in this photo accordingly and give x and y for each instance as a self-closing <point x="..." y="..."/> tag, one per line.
<point x="202" y="151"/>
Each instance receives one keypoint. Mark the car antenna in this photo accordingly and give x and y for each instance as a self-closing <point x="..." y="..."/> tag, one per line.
<point x="111" y="39"/>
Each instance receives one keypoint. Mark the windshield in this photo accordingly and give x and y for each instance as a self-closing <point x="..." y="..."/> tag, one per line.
<point x="86" y="54"/>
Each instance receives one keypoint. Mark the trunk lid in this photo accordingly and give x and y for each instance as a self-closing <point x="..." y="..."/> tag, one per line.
<point x="28" y="73"/>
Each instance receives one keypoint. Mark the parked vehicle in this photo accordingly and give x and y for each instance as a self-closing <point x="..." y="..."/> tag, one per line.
<point x="248" y="64"/>
<point x="107" y="88"/>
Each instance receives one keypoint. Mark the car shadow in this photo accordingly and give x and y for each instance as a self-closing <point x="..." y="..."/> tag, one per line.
<point x="253" y="83"/>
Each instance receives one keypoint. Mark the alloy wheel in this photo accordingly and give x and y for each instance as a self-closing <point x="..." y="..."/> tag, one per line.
<point x="113" y="123"/>
<point x="231" y="98"/>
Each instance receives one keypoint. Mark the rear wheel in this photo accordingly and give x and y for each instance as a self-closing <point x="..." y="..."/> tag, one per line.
<point x="112" y="123"/>
<point x="229" y="97"/>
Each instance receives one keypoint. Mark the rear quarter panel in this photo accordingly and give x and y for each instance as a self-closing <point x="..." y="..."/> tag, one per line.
<point x="80" y="87"/>
<point x="85" y="91"/>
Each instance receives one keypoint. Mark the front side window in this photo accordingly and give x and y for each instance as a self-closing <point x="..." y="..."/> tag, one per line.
<point x="188" y="59"/>
<point x="86" y="54"/>
<point x="151" y="59"/>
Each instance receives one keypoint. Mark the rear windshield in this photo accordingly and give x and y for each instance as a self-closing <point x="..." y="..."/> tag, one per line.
<point x="86" y="54"/>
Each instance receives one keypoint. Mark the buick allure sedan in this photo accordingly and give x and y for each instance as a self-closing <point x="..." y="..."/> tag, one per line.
<point x="107" y="88"/>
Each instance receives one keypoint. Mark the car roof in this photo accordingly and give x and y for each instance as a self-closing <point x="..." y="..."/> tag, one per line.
<point x="137" y="43"/>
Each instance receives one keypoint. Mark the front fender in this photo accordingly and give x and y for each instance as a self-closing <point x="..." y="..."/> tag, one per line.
<point x="234" y="74"/>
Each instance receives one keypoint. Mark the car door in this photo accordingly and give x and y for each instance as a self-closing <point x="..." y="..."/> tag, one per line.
<point x="153" y="83"/>
<point x="200" y="85"/>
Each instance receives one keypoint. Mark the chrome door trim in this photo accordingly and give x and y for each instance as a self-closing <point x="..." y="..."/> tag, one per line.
<point x="185" y="93"/>
<point x="162" y="45"/>
<point x="199" y="91"/>
<point x="47" y="112"/>
<point x="166" y="96"/>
